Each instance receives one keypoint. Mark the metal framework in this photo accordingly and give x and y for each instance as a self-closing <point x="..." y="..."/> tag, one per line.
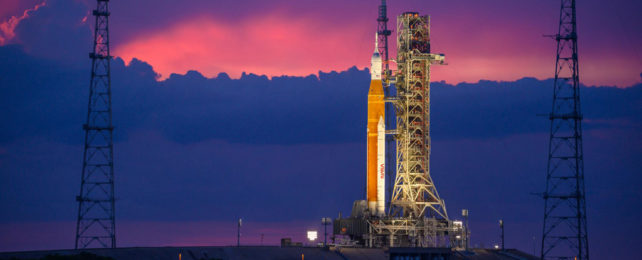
<point x="383" y="33"/>
<point x="96" y="226"/>
<point x="417" y="215"/>
<point x="414" y="232"/>
<point x="414" y="193"/>
<point x="565" y="233"/>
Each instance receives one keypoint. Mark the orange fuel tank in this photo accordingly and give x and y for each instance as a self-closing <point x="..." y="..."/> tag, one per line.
<point x="376" y="139"/>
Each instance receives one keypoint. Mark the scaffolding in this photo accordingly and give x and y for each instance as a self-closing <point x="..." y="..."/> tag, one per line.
<point x="415" y="232"/>
<point x="414" y="193"/>
<point x="417" y="216"/>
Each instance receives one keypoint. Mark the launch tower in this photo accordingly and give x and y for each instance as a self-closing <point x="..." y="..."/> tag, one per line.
<point x="417" y="216"/>
<point x="414" y="193"/>
<point x="95" y="226"/>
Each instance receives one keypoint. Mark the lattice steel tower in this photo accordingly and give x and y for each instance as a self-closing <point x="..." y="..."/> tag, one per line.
<point x="414" y="193"/>
<point x="96" y="226"/>
<point x="564" y="232"/>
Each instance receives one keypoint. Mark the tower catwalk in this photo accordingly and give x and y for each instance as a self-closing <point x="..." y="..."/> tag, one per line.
<point x="564" y="233"/>
<point x="96" y="226"/>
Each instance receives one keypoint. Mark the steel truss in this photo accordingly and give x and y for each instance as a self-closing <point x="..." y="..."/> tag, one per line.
<point x="414" y="232"/>
<point x="565" y="231"/>
<point x="95" y="226"/>
<point x="414" y="193"/>
<point x="417" y="215"/>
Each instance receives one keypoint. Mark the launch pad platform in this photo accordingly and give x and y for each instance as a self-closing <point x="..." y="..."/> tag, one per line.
<point x="268" y="252"/>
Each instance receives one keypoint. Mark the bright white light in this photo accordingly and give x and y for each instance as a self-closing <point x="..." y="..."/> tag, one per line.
<point x="458" y="237"/>
<point x="496" y="246"/>
<point x="312" y="235"/>
<point x="457" y="223"/>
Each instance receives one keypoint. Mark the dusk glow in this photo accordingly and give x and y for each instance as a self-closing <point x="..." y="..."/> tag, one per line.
<point x="298" y="39"/>
<point x="478" y="44"/>
<point x="272" y="45"/>
<point x="275" y="44"/>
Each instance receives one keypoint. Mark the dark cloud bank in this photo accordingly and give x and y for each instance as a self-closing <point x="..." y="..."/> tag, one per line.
<point x="192" y="148"/>
<point x="42" y="98"/>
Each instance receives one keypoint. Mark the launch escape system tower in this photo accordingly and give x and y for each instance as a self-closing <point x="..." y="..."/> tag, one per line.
<point x="415" y="216"/>
<point x="95" y="226"/>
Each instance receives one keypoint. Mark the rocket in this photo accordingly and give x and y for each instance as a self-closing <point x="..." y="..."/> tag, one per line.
<point x="376" y="167"/>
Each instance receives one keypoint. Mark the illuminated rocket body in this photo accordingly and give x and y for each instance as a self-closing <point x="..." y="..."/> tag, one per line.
<point x="376" y="184"/>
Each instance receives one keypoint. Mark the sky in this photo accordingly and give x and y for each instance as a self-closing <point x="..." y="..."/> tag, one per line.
<point x="493" y="40"/>
<point x="257" y="109"/>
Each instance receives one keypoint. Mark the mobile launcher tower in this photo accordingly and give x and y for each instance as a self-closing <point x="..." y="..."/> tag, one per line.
<point x="416" y="216"/>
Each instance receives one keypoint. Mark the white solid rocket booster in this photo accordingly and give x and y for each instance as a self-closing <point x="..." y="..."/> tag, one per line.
<point x="381" y="170"/>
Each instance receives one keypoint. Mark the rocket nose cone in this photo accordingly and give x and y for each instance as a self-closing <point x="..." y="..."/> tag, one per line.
<point x="376" y="58"/>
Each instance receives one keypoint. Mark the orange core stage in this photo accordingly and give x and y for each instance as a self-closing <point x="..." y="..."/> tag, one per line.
<point x="376" y="167"/>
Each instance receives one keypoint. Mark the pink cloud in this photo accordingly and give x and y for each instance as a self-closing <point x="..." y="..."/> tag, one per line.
<point x="277" y="44"/>
<point x="7" y="28"/>
<point x="272" y="45"/>
<point x="289" y="42"/>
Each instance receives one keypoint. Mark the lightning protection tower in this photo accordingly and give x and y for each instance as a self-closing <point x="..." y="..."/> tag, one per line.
<point x="96" y="226"/>
<point x="565" y="232"/>
<point x="382" y="34"/>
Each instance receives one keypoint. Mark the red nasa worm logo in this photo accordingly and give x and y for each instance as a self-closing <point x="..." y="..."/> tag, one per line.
<point x="382" y="168"/>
